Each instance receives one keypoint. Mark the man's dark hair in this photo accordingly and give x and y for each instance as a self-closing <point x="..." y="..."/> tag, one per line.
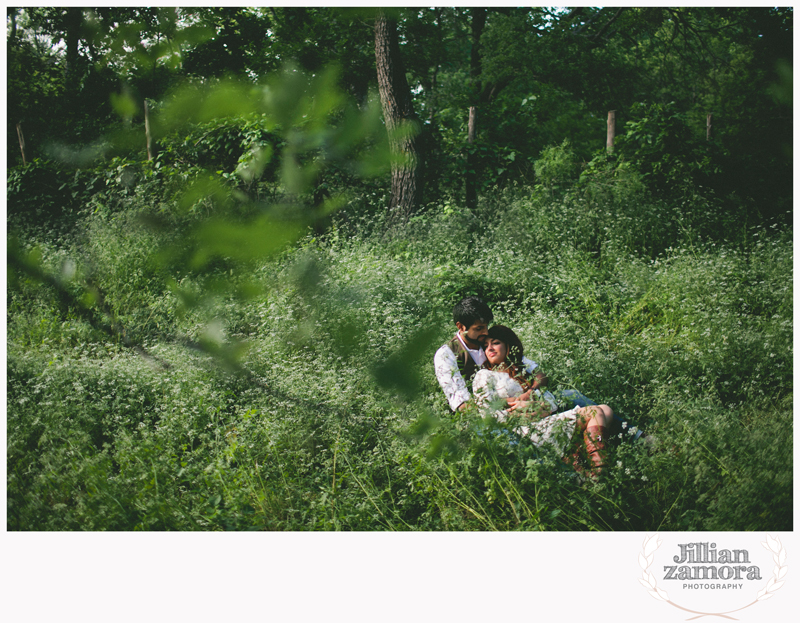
<point x="471" y="310"/>
<point x="510" y="339"/>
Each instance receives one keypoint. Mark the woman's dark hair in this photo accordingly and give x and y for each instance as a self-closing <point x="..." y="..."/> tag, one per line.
<point x="471" y="310"/>
<point x="510" y="339"/>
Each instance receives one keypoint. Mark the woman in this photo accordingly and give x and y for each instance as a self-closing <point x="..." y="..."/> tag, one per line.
<point x="503" y="378"/>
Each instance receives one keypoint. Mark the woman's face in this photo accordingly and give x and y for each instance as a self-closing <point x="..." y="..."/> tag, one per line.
<point x="496" y="351"/>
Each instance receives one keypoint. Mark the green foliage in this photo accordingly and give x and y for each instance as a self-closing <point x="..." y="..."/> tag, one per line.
<point x="659" y="143"/>
<point x="231" y="337"/>
<point x="555" y="167"/>
<point x="328" y="416"/>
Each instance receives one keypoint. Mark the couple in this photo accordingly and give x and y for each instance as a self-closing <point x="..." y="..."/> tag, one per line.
<point x="492" y="359"/>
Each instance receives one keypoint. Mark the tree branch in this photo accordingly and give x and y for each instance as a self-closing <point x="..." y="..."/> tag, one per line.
<point x="67" y="299"/>
<point x="600" y="32"/>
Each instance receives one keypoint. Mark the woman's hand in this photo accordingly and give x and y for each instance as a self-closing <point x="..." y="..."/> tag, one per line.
<point x="519" y="402"/>
<point x="524" y="397"/>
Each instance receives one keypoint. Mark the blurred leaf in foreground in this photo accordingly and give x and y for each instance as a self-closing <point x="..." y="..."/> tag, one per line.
<point x="401" y="371"/>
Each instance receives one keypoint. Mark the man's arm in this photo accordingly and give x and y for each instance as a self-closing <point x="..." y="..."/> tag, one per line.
<point x="539" y="381"/>
<point x="450" y="379"/>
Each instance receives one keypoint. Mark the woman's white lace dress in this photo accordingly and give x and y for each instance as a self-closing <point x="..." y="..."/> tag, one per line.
<point x="554" y="430"/>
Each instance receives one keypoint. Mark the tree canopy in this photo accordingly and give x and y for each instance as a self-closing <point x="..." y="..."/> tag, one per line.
<point x="534" y="76"/>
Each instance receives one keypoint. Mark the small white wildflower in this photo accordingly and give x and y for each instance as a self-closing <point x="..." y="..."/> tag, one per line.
<point x="627" y="471"/>
<point x="624" y="425"/>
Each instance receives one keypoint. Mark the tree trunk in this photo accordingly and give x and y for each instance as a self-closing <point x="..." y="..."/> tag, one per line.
<point x="11" y="13"/>
<point x="398" y="112"/>
<point x="151" y="148"/>
<point x="73" y="20"/>
<point x="611" y="126"/>
<point x="21" y="138"/>
<point x="471" y="178"/>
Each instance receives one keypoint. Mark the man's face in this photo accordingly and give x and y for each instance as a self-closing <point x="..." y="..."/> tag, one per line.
<point x="474" y="336"/>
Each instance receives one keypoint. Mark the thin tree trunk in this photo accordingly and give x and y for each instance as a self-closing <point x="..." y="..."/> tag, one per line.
<point x="21" y="143"/>
<point x="73" y="19"/>
<point x="471" y="178"/>
<point x="434" y="99"/>
<point x="151" y="151"/>
<point x="610" y="130"/>
<point x="11" y="12"/>
<point x="399" y="117"/>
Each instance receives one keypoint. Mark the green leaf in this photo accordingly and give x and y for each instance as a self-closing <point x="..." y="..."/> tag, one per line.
<point x="124" y="105"/>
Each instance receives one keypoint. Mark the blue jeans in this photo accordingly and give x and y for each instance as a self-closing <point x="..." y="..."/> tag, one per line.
<point x="570" y="398"/>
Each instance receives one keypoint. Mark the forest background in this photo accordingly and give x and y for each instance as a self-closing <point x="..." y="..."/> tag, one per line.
<point x="236" y="235"/>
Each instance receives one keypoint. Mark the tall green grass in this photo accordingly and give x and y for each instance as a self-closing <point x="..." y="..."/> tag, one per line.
<point x="330" y="418"/>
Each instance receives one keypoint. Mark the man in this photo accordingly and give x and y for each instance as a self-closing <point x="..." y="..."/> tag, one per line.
<point x="457" y="361"/>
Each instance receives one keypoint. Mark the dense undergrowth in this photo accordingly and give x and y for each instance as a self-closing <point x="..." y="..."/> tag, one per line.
<point x="297" y="393"/>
